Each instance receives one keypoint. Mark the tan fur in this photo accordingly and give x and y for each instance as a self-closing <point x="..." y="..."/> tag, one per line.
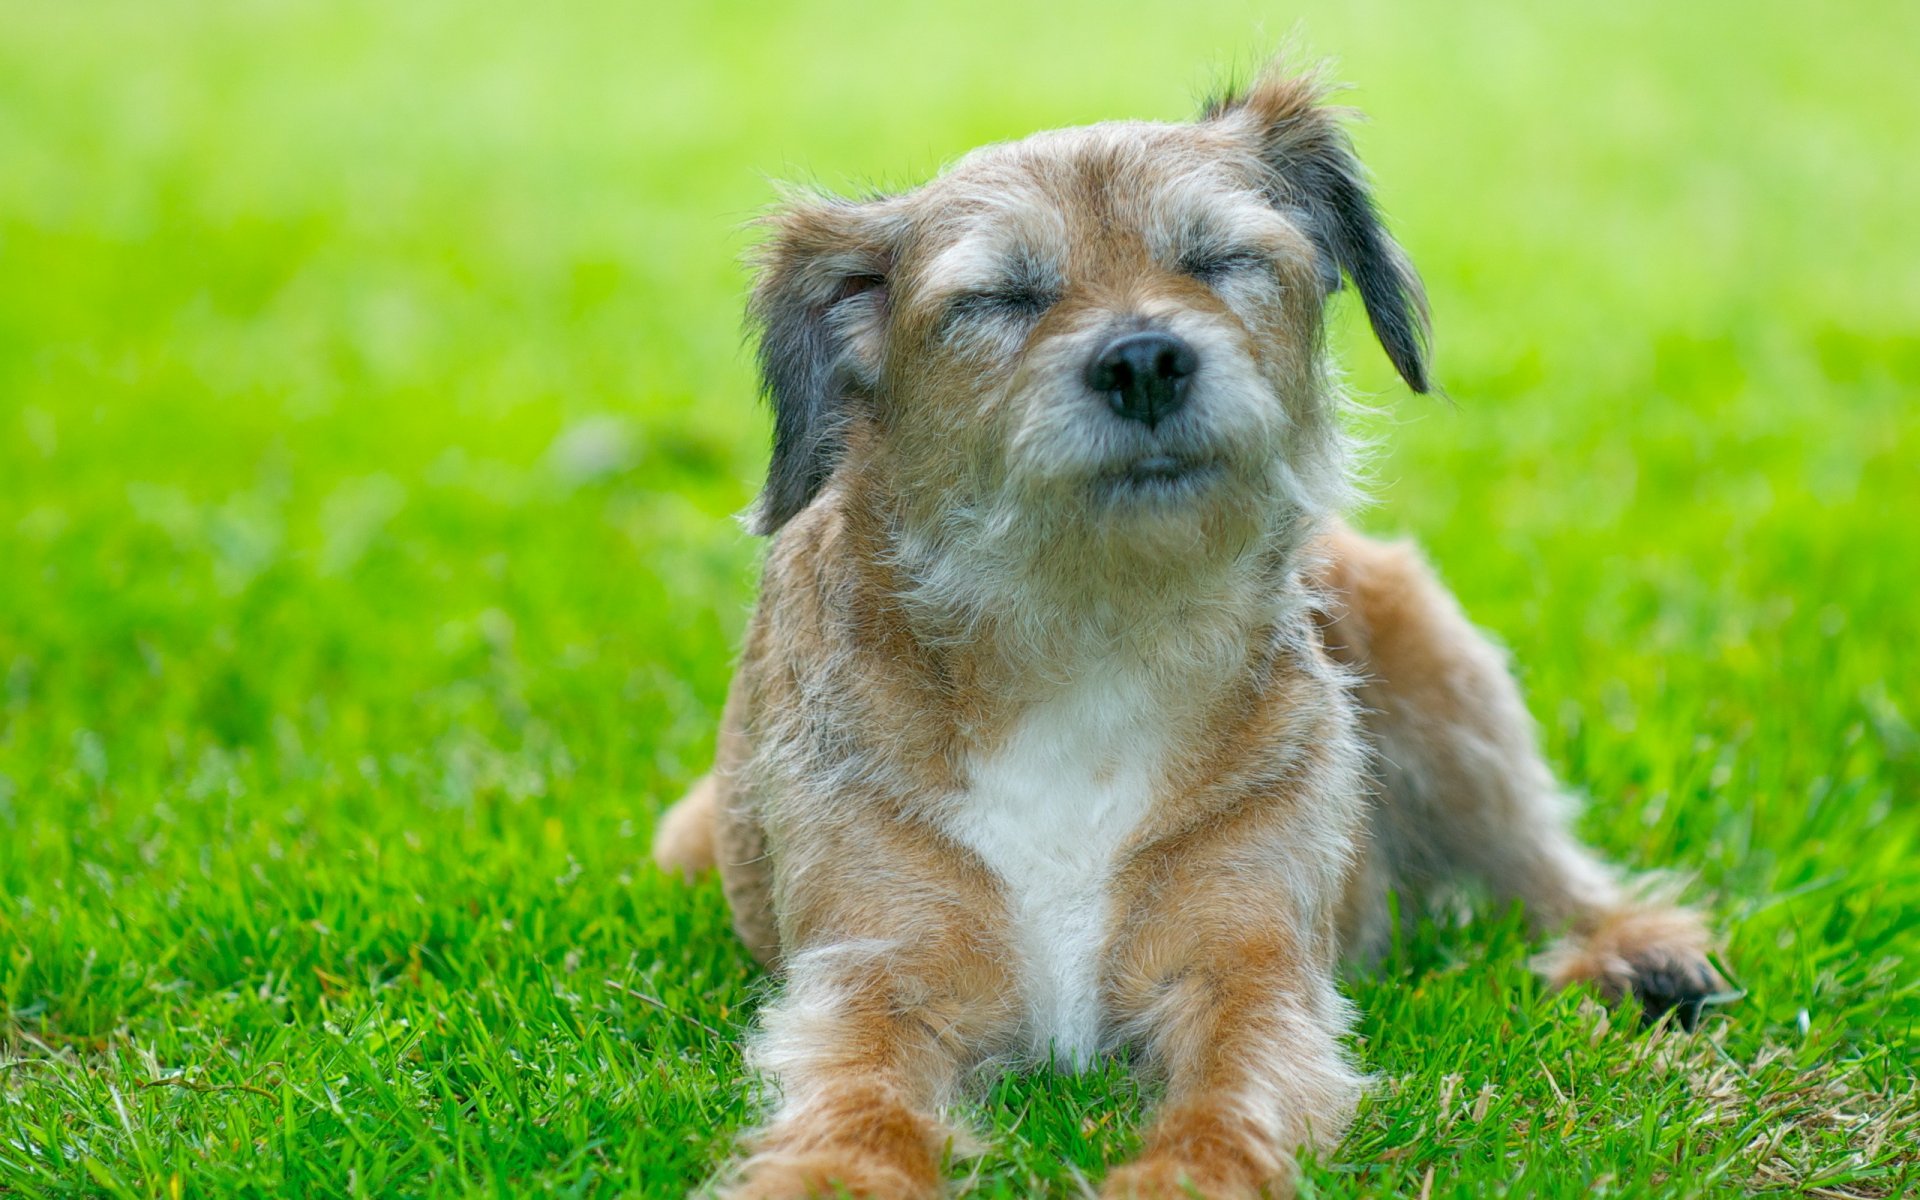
<point x="683" y="841"/>
<point x="960" y="550"/>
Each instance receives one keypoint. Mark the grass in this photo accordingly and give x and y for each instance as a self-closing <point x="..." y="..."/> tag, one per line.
<point x="371" y="413"/>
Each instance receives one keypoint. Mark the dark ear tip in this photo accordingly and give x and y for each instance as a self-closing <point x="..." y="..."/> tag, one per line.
<point x="1414" y="371"/>
<point x="1399" y="322"/>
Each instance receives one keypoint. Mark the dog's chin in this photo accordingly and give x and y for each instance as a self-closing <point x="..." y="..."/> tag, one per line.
<point x="1175" y="508"/>
<point x="1159" y="482"/>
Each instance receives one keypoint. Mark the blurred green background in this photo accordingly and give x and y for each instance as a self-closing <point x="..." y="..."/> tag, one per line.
<point x="373" y="406"/>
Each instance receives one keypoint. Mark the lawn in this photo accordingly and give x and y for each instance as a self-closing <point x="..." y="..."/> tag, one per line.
<point x="372" y="414"/>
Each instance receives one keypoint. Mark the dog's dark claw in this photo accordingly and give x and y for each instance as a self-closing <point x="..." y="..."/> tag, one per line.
<point x="1657" y="1004"/>
<point x="1683" y="989"/>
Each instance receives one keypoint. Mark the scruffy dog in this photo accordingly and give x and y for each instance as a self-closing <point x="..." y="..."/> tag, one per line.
<point x="1071" y="718"/>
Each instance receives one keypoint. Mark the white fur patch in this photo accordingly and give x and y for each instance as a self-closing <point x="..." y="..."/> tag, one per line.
<point x="1047" y="812"/>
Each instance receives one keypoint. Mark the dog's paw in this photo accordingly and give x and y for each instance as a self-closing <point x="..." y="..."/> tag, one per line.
<point x="1681" y="985"/>
<point x="1158" y="1178"/>
<point x="1657" y="954"/>
<point x="804" y="1176"/>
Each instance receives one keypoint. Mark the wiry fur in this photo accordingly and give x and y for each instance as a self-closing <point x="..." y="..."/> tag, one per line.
<point x="1028" y="759"/>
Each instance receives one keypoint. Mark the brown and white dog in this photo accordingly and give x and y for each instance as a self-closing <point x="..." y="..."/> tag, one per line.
<point x="1071" y="718"/>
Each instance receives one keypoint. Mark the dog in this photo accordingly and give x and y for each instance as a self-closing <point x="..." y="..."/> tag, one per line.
<point x="1071" y="717"/>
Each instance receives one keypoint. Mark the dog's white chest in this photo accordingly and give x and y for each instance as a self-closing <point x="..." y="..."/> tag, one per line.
<point x="1048" y="812"/>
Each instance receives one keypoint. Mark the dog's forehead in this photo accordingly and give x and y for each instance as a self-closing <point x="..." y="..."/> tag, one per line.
<point x="1059" y="188"/>
<point x="1094" y="149"/>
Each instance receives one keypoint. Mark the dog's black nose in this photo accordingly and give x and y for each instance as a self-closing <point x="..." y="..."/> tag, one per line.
<point x="1143" y="375"/>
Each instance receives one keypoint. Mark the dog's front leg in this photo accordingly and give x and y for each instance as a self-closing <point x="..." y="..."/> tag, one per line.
<point x="1247" y="1030"/>
<point x="867" y="1040"/>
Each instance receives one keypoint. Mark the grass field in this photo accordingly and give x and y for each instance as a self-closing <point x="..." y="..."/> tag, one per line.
<point x="372" y="409"/>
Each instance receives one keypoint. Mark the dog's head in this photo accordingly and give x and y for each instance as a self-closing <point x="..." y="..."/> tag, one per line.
<point x="1108" y="333"/>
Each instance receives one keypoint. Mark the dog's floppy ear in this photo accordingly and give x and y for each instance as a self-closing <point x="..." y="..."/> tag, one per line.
<point x="819" y="306"/>
<point x="1311" y="169"/>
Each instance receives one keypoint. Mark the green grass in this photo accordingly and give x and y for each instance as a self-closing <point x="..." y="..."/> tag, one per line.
<point x="372" y="409"/>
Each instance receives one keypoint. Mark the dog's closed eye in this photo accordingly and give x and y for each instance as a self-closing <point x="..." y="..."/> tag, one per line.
<point x="1216" y="265"/>
<point x="1005" y="302"/>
